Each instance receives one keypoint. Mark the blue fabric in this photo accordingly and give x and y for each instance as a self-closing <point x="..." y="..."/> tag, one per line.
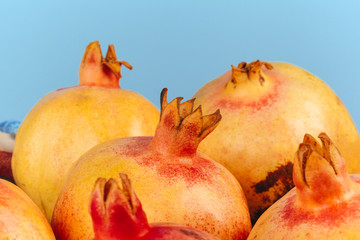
<point x="9" y="127"/>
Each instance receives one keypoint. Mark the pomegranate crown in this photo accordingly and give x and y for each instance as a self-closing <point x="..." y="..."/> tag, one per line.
<point x="116" y="213"/>
<point x="95" y="70"/>
<point x="181" y="128"/>
<point x="320" y="174"/>
<point x="249" y="71"/>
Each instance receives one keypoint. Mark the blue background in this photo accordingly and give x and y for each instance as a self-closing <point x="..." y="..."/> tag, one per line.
<point x="176" y="44"/>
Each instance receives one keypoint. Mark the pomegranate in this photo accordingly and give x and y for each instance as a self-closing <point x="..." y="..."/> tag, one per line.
<point x="66" y="123"/>
<point x="117" y="214"/>
<point x="6" y="149"/>
<point x="20" y="218"/>
<point x="325" y="203"/>
<point x="8" y="131"/>
<point x="174" y="182"/>
<point x="5" y="165"/>
<point x="267" y="108"/>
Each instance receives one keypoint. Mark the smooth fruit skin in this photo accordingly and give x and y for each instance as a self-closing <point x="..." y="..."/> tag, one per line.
<point x="20" y="218"/>
<point x="67" y="122"/>
<point x="325" y="204"/>
<point x="174" y="182"/>
<point x="266" y="112"/>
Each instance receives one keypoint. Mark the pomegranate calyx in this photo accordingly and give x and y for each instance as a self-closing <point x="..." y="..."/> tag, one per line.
<point x="319" y="174"/>
<point x="181" y="127"/>
<point x="252" y="71"/>
<point x="113" y="63"/>
<point x="116" y="213"/>
<point x="95" y="70"/>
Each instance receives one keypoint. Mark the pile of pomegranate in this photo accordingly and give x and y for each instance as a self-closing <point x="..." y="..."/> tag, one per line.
<point x="236" y="162"/>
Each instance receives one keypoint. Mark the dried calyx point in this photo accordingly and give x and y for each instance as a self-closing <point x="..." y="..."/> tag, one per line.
<point x="95" y="70"/>
<point x="116" y="212"/>
<point x="311" y="146"/>
<point x="245" y="71"/>
<point x="186" y="115"/>
<point x="113" y="63"/>
<point x="182" y="127"/>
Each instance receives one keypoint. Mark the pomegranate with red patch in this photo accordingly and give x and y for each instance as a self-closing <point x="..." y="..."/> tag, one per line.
<point x="174" y="182"/>
<point x="267" y="108"/>
<point x="117" y="214"/>
<point x="325" y="203"/>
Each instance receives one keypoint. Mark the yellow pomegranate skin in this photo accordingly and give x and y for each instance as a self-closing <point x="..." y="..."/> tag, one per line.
<point x="267" y="108"/>
<point x="20" y="218"/>
<point x="325" y="203"/>
<point x="67" y="122"/>
<point x="174" y="182"/>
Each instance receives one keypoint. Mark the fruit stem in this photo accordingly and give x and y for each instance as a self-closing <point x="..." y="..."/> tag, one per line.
<point x="249" y="72"/>
<point x="95" y="70"/>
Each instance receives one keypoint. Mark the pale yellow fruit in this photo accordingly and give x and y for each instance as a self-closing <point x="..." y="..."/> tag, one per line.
<point x="267" y="108"/>
<point x="66" y="123"/>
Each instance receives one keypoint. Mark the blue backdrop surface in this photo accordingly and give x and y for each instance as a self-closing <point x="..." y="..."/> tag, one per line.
<point x="180" y="45"/>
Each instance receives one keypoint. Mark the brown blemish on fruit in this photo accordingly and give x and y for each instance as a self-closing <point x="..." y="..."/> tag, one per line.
<point x="283" y="175"/>
<point x="280" y="178"/>
<point x="256" y="214"/>
<point x="265" y="199"/>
